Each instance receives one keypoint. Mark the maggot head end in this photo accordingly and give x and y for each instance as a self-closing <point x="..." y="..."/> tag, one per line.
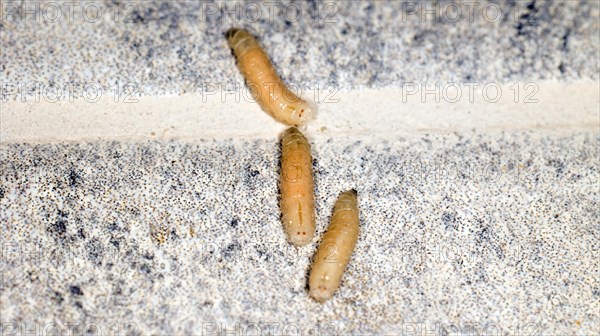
<point x="303" y="113"/>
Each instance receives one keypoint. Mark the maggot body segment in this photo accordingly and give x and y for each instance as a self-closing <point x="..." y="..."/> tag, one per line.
<point x="334" y="252"/>
<point x="297" y="188"/>
<point x="267" y="88"/>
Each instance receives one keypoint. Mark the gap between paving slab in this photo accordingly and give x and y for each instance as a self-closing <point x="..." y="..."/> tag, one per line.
<point x="548" y="107"/>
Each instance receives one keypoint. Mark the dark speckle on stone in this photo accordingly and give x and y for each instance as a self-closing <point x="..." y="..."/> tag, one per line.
<point x="134" y="17"/>
<point x="261" y="253"/>
<point x="75" y="290"/>
<point x="449" y="220"/>
<point x="234" y="222"/>
<point x="112" y="227"/>
<point x="145" y="269"/>
<point x="115" y="242"/>
<point x="57" y="297"/>
<point x="558" y="165"/>
<point x="60" y="225"/>
<point x="230" y="250"/>
<point x="32" y="276"/>
<point x="95" y="251"/>
<point x="73" y="177"/>
<point x="527" y="20"/>
<point x="565" y="39"/>
<point x="1" y="192"/>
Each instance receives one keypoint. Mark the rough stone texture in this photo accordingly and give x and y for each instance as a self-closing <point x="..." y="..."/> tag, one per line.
<point x="499" y="231"/>
<point x="168" y="47"/>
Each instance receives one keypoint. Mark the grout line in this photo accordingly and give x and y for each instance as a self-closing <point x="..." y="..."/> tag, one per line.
<point x="562" y="108"/>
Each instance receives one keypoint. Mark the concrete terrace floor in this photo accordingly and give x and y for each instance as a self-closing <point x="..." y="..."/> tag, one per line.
<point x="161" y="217"/>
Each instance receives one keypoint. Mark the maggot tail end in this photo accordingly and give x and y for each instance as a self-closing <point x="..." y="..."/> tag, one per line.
<point x="235" y="36"/>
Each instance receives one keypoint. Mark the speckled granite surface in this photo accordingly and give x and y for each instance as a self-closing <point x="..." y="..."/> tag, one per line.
<point x="501" y="232"/>
<point x="493" y="234"/>
<point x="174" y="47"/>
